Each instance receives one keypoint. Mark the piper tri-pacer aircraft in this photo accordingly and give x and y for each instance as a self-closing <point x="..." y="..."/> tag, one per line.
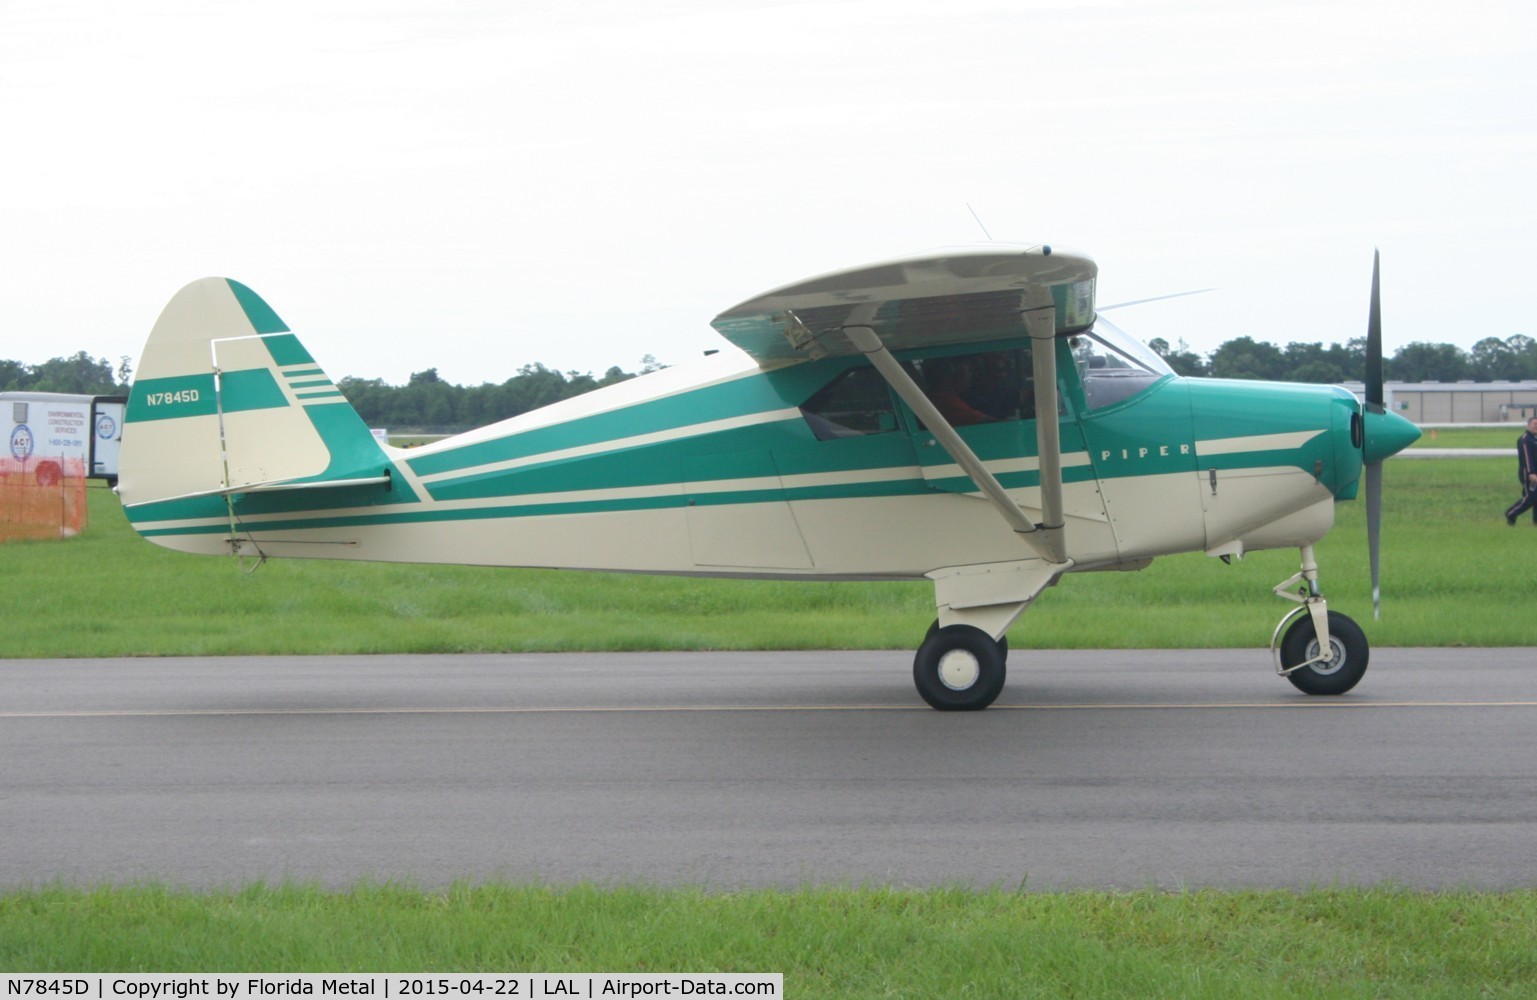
<point x="962" y="416"/>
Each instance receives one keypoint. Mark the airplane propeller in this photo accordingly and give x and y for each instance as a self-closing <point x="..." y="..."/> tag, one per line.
<point x="1382" y="434"/>
<point x="1374" y="405"/>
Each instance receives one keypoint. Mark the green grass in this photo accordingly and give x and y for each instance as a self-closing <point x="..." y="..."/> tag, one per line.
<point x="1454" y="574"/>
<point x="1471" y="437"/>
<point x="415" y="440"/>
<point x="831" y="942"/>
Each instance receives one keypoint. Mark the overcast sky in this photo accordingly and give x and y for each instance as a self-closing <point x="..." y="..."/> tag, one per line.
<point x="474" y="186"/>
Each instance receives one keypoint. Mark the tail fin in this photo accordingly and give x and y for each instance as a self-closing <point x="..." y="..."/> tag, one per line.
<point x="227" y="401"/>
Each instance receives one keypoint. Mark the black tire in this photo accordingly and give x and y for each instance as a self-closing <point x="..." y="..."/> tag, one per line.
<point x="967" y="681"/>
<point x="1003" y="640"/>
<point x="1341" y="673"/>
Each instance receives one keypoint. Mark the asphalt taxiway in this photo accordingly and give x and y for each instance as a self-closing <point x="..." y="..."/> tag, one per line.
<point x="1103" y="769"/>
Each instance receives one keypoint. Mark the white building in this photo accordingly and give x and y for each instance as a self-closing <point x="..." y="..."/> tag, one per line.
<point x="1459" y="402"/>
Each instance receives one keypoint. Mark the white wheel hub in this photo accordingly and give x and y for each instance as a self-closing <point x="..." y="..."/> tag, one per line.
<point x="959" y="670"/>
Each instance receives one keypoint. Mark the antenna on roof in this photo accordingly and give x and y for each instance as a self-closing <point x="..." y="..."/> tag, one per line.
<point x="974" y="215"/>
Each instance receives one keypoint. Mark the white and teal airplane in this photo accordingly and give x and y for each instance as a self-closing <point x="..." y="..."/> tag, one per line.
<point x="962" y="416"/>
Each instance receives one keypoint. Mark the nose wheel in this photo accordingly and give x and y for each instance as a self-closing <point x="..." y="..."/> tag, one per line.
<point x="959" y="668"/>
<point x="1332" y="665"/>
<point x="1311" y="667"/>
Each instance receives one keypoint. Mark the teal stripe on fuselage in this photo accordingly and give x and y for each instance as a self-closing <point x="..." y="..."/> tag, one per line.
<point x="908" y="487"/>
<point x="791" y="443"/>
<point x="756" y="392"/>
<point x="783" y="449"/>
<point x="1248" y="409"/>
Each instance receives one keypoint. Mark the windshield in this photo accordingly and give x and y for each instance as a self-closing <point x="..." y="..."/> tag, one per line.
<point x="1114" y="365"/>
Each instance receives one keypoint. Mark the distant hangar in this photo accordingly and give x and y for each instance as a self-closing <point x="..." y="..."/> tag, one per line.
<point x="1459" y="402"/>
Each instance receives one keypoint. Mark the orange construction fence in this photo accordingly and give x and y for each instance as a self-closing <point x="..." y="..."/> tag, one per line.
<point x="41" y="498"/>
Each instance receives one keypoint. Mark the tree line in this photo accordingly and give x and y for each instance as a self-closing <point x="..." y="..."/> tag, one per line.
<point x="1492" y="359"/>
<point x="427" y="402"/>
<point x="78" y="374"/>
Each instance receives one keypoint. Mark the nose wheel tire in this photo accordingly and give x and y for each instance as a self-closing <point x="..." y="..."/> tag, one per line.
<point x="959" y="668"/>
<point x="1348" y="653"/>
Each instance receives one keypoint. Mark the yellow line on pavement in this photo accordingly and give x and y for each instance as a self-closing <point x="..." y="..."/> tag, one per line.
<point x="656" y="709"/>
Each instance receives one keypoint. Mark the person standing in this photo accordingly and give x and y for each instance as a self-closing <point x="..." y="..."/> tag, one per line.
<point x="1526" y="452"/>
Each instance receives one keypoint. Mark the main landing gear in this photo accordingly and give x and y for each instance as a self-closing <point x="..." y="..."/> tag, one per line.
<point x="1314" y="667"/>
<point x="959" y="668"/>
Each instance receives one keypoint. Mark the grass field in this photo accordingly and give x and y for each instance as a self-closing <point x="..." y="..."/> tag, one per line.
<point x="1454" y="574"/>
<point x="827" y="942"/>
<point x="1471" y="437"/>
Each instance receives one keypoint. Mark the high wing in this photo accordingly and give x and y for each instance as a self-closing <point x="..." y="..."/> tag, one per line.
<point x="954" y="296"/>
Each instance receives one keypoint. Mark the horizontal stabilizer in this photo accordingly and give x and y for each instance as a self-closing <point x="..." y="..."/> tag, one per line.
<point x="280" y="487"/>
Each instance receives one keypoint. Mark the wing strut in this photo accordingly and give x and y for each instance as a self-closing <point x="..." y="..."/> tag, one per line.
<point x="1045" y="538"/>
<point x="1048" y="431"/>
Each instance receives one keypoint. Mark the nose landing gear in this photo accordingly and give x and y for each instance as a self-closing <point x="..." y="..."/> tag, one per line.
<point x="1333" y="666"/>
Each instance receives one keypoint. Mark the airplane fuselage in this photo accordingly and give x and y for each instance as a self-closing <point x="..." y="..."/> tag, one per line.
<point x="721" y="468"/>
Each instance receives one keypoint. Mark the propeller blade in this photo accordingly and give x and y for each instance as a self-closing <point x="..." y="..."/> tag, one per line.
<point x="1374" y="393"/>
<point x="1374" y="532"/>
<point x="1374" y="404"/>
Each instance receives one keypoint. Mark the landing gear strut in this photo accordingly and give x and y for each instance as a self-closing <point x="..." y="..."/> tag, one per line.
<point x="1330" y="667"/>
<point x="959" y="667"/>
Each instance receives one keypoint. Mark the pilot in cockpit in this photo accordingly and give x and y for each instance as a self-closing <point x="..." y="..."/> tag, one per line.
<point x="950" y="385"/>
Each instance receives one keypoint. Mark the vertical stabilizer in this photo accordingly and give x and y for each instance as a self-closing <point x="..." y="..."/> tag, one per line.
<point x="227" y="399"/>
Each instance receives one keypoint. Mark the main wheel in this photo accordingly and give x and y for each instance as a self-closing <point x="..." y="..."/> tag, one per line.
<point x="1347" y="657"/>
<point x="959" y="668"/>
<point x="1003" y="640"/>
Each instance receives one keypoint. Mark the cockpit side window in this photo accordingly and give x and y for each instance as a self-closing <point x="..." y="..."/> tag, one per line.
<point x="1112" y="366"/>
<point x="855" y="403"/>
<point x="981" y="388"/>
<point x="984" y="388"/>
